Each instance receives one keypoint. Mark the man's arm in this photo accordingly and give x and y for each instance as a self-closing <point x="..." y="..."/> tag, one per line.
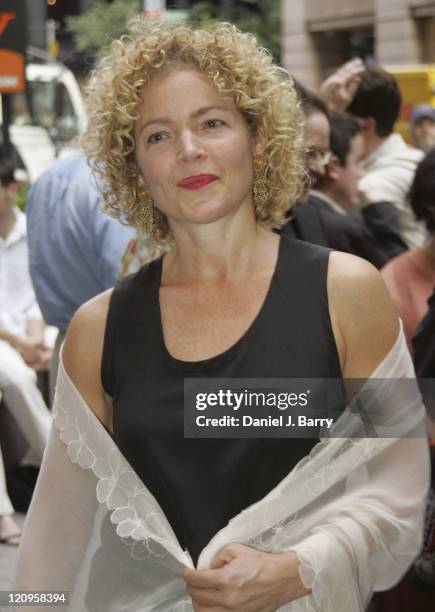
<point x="339" y="88"/>
<point x="10" y="338"/>
<point x="35" y="330"/>
<point x="31" y="349"/>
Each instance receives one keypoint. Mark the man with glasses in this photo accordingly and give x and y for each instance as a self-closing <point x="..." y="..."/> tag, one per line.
<point x="335" y="193"/>
<point x="314" y="220"/>
<point x="318" y="156"/>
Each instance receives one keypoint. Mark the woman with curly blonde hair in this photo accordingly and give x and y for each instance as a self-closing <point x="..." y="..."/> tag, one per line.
<point x="196" y="136"/>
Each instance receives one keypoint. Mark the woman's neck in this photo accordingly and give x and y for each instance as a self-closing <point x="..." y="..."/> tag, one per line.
<point x="217" y="252"/>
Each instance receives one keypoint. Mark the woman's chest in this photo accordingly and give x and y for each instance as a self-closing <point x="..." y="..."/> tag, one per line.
<point x="200" y="323"/>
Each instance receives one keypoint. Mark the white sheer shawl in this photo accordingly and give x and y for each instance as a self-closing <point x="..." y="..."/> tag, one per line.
<point x="352" y="510"/>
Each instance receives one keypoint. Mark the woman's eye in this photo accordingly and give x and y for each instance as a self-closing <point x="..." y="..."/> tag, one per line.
<point x="212" y="123"/>
<point x="157" y="137"/>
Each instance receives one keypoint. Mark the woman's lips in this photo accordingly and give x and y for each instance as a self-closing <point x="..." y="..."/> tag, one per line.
<point x="197" y="181"/>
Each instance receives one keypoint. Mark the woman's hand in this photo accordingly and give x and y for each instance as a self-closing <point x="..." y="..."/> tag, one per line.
<point x="245" y="579"/>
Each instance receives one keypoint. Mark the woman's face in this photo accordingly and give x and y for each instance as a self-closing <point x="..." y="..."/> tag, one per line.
<point x="193" y="148"/>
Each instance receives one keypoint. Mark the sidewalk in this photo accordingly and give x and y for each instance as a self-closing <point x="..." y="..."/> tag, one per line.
<point x="8" y="558"/>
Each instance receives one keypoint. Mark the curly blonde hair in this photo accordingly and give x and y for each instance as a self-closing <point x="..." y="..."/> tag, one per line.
<point x="242" y="72"/>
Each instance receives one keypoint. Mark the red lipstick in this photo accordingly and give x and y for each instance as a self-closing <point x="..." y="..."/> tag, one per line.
<point x="197" y="181"/>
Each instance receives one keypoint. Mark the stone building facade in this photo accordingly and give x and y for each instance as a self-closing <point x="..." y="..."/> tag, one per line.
<point x="318" y="35"/>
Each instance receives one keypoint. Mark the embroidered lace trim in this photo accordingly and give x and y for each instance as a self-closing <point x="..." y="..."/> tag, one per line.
<point x="136" y="513"/>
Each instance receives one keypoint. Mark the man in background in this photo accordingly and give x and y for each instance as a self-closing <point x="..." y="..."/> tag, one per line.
<point x="75" y="249"/>
<point x="22" y="348"/>
<point x="422" y="127"/>
<point x="339" y="185"/>
<point x="389" y="163"/>
<point x="316" y="221"/>
<point x="336" y="191"/>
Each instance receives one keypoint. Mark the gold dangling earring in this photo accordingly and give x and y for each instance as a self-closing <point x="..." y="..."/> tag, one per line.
<point x="147" y="220"/>
<point x="260" y="190"/>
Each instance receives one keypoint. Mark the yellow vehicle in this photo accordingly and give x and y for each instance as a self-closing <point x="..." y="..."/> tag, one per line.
<point x="417" y="84"/>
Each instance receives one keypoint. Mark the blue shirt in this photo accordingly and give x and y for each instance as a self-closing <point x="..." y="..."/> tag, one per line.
<point x="75" y="249"/>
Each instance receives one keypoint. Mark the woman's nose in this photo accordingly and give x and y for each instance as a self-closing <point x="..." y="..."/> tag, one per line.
<point x="189" y="147"/>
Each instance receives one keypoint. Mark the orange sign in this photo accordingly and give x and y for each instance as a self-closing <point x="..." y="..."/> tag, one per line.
<point x="12" y="72"/>
<point x="12" y="46"/>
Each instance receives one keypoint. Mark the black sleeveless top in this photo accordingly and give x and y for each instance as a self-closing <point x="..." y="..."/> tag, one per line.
<point x="202" y="483"/>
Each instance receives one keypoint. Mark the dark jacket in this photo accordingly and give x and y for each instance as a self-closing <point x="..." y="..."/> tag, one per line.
<point x="316" y="221"/>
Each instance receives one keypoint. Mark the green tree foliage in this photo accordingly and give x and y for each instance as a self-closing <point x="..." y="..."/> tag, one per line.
<point x="261" y="17"/>
<point x="21" y="197"/>
<point x="94" y="30"/>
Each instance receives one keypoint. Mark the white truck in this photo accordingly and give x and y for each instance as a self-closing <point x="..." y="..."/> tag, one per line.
<point x="48" y="118"/>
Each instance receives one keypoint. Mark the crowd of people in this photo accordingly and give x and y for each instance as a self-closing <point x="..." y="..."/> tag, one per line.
<point x="71" y="253"/>
<point x="304" y="175"/>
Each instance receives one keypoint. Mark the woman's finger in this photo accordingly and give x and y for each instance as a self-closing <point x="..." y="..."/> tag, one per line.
<point x="203" y="579"/>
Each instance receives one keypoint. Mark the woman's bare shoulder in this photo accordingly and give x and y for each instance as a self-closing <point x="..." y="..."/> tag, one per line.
<point x="82" y="353"/>
<point x="363" y="315"/>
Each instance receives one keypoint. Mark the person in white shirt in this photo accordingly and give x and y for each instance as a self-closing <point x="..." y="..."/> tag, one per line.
<point x="22" y="348"/>
<point x="389" y="163"/>
<point x="372" y="95"/>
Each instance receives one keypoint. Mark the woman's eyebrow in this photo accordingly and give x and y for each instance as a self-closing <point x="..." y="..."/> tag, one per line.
<point x="205" y="109"/>
<point x="195" y="115"/>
